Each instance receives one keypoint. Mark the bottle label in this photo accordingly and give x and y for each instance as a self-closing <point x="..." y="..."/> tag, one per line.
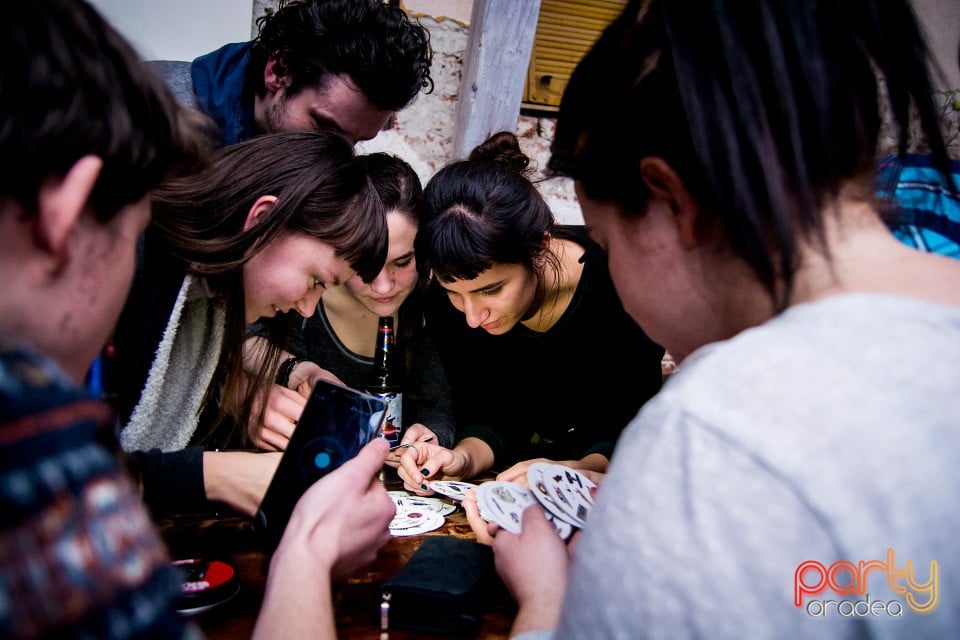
<point x="393" y="421"/>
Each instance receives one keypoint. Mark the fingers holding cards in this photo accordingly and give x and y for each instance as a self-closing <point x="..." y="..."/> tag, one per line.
<point x="565" y="494"/>
<point x="504" y="502"/>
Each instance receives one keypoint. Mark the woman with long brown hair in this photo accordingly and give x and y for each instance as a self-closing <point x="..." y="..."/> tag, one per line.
<point x="265" y="230"/>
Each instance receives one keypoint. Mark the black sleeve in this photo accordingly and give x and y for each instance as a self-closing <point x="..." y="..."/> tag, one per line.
<point x="172" y="481"/>
<point x="447" y="331"/>
<point x="428" y="399"/>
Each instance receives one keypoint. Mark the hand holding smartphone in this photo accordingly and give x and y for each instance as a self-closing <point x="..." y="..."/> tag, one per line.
<point x="336" y="423"/>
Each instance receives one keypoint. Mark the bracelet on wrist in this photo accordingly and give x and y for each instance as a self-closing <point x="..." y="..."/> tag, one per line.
<point x="283" y="374"/>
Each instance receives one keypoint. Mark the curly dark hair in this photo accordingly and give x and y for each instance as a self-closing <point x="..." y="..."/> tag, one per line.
<point x="383" y="51"/>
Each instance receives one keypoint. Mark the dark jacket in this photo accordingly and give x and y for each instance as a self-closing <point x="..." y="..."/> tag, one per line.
<point x="215" y="84"/>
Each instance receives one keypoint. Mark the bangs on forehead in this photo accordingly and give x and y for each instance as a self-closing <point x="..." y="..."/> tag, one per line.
<point x="457" y="251"/>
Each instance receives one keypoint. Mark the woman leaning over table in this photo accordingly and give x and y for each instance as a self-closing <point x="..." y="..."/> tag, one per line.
<point x="266" y="229"/>
<point x="543" y="361"/>
<point x="341" y="336"/>
<point x="803" y="453"/>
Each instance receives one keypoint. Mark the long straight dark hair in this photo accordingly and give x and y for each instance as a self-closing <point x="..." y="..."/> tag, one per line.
<point x="322" y="191"/>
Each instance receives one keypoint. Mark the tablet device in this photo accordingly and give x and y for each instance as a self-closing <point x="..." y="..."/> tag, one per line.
<point x="335" y="424"/>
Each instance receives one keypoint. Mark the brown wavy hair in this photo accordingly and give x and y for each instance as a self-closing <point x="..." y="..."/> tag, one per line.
<point x="322" y="191"/>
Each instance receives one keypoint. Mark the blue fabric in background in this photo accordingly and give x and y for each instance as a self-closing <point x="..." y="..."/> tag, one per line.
<point x="927" y="212"/>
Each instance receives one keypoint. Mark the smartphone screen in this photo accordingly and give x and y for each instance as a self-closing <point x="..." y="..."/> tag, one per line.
<point x="335" y="424"/>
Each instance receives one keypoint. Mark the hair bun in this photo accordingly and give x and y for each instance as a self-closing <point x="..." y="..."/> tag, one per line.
<point x="501" y="147"/>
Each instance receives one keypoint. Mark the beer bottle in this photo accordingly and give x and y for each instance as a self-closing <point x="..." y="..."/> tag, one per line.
<point x="385" y="383"/>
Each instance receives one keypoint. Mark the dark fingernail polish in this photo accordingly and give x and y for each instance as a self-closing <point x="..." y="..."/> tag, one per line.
<point x="424" y="487"/>
<point x="425" y="472"/>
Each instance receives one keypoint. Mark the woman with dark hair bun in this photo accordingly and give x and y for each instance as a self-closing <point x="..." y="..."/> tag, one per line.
<point x="542" y="360"/>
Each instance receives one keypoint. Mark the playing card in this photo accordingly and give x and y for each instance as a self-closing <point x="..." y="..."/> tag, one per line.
<point x="414" y="522"/>
<point x="451" y="488"/>
<point x="504" y="502"/>
<point x="537" y="479"/>
<point x="572" y="492"/>
<point x="409" y="502"/>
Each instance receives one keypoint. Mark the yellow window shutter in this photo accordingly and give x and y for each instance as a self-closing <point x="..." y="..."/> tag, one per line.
<point x="565" y="31"/>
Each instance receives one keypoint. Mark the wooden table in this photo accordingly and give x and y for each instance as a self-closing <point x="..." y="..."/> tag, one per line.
<point x="356" y="599"/>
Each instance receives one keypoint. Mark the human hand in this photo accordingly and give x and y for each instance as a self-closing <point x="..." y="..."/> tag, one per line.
<point x="344" y="515"/>
<point x="534" y="567"/>
<point x="485" y="531"/>
<point x="518" y="472"/>
<point x="306" y="374"/>
<point x="238" y="478"/>
<point x="336" y="527"/>
<point x="596" y="477"/>
<point x="413" y="435"/>
<point x="283" y="409"/>
<point x="429" y="462"/>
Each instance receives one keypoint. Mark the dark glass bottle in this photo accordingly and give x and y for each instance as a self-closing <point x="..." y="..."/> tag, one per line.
<point x="385" y="382"/>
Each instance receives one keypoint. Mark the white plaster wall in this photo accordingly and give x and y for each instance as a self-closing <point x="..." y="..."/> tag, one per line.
<point x="424" y="132"/>
<point x="178" y="29"/>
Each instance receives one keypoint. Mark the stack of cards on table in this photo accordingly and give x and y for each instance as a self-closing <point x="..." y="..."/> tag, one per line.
<point x="565" y="494"/>
<point x="417" y="514"/>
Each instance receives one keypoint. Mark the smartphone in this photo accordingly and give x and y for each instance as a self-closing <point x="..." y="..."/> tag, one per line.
<point x="335" y="424"/>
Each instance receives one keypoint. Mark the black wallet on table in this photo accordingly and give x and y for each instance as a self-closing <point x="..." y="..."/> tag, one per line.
<point x="440" y="589"/>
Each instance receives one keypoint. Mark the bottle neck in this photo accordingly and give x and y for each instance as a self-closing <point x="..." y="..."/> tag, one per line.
<point x="385" y="343"/>
<point x="382" y="374"/>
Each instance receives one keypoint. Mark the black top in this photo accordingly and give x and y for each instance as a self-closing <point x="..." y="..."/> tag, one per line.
<point x="426" y="396"/>
<point x="560" y="394"/>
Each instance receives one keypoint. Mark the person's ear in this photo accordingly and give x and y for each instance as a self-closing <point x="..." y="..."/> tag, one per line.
<point x="541" y="258"/>
<point x="664" y="184"/>
<point x="262" y="205"/>
<point x="60" y="202"/>
<point x="275" y="76"/>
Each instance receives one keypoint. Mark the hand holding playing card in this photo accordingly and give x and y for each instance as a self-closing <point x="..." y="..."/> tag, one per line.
<point x="483" y="529"/>
<point x="428" y="462"/>
<point x="518" y="472"/>
<point x="504" y="503"/>
<point x="533" y="566"/>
